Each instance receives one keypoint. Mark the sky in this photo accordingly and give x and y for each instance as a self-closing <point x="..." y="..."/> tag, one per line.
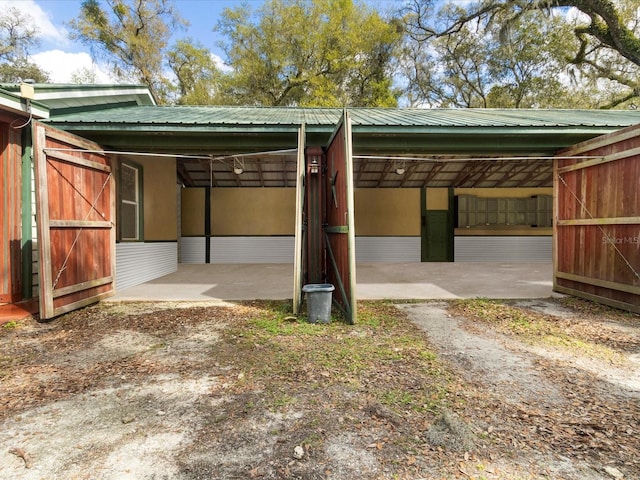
<point x="61" y="57"/>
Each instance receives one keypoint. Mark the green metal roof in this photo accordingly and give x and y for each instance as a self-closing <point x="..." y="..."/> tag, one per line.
<point x="445" y="141"/>
<point x="216" y="129"/>
<point x="195" y="117"/>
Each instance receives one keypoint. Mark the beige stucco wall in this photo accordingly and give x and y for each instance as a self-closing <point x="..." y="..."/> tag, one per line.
<point x="271" y="211"/>
<point x="437" y="199"/>
<point x="253" y="211"/>
<point x="192" y="211"/>
<point x="160" y="203"/>
<point x="387" y="211"/>
<point x="383" y="211"/>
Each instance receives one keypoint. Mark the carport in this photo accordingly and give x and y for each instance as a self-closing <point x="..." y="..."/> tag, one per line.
<point x="419" y="177"/>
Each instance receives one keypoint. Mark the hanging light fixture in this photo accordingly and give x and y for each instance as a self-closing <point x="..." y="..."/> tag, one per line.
<point x="399" y="169"/>
<point x="238" y="167"/>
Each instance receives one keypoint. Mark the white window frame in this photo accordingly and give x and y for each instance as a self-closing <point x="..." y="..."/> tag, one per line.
<point x="137" y="201"/>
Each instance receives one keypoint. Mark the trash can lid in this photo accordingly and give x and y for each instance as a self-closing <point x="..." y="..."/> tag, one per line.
<point x="318" y="287"/>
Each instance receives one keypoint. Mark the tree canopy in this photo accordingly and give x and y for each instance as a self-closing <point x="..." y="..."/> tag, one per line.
<point x="309" y="53"/>
<point x="599" y="44"/>
<point x="475" y="66"/>
<point x="197" y="75"/>
<point x="17" y="37"/>
<point x="490" y="53"/>
<point x="131" y="35"/>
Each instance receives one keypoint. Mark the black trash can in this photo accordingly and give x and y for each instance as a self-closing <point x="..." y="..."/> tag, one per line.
<point x="319" y="298"/>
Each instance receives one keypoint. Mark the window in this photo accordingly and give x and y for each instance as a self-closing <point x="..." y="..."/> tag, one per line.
<point x="130" y="220"/>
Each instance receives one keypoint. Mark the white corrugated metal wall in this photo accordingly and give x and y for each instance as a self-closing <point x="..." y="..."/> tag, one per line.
<point x="280" y="249"/>
<point x="516" y="249"/>
<point x="506" y="249"/>
<point x="388" y="249"/>
<point x="252" y="249"/>
<point x="139" y="262"/>
<point x="192" y="250"/>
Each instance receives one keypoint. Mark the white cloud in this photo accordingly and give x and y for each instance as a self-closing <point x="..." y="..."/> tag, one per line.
<point x="575" y="16"/>
<point x="223" y="67"/>
<point x="41" y="19"/>
<point x="61" y="66"/>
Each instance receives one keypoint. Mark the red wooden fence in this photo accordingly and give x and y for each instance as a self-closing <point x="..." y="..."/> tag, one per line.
<point x="597" y="220"/>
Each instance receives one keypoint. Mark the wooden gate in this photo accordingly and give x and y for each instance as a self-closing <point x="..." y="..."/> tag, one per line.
<point x="597" y="220"/>
<point x="75" y="208"/>
<point x="340" y="224"/>
<point x="325" y="231"/>
<point x="10" y="214"/>
<point x="298" y="260"/>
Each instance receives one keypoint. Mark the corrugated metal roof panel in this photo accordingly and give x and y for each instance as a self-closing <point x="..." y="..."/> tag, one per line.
<point x="361" y="117"/>
<point x="492" y="117"/>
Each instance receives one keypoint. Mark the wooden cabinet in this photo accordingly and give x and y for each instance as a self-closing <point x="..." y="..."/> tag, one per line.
<point x="536" y="211"/>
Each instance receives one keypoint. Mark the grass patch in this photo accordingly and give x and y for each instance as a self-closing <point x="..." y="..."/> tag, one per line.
<point x="289" y="327"/>
<point x="397" y="397"/>
<point x="280" y="401"/>
<point x="533" y="327"/>
<point x="589" y="308"/>
<point x="383" y="355"/>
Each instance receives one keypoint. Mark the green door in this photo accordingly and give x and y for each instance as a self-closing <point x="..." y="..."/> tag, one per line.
<point x="435" y="236"/>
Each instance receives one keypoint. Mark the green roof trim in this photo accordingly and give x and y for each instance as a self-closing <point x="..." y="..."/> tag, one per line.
<point x="14" y="103"/>
<point x="62" y="99"/>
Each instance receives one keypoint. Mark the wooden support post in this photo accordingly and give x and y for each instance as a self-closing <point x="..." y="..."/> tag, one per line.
<point x="314" y="215"/>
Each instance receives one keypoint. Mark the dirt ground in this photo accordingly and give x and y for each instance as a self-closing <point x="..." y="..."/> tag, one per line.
<point x="536" y="389"/>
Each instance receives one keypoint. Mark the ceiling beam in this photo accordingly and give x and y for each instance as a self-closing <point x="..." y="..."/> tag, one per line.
<point x="482" y="172"/>
<point x="514" y="172"/>
<point x="538" y="168"/>
<point x="362" y="165"/>
<point x="260" y="171"/>
<point x="408" y="173"/>
<point x="435" y="169"/>
<point x="469" y="169"/>
<point x="383" y="174"/>
<point x="184" y="176"/>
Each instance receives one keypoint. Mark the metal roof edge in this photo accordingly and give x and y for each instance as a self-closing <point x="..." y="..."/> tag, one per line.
<point x="58" y="91"/>
<point x="365" y="121"/>
<point x="16" y="104"/>
<point x="470" y="130"/>
<point x="171" y="127"/>
<point x="358" y="129"/>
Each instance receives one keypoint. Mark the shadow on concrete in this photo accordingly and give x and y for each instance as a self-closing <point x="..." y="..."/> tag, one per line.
<point x="375" y="281"/>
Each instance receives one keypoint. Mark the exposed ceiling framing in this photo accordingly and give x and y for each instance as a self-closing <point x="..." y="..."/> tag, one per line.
<point x="279" y="170"/>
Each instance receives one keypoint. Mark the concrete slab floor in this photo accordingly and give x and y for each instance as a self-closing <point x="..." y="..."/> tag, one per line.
<point x="375" y="281"/>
